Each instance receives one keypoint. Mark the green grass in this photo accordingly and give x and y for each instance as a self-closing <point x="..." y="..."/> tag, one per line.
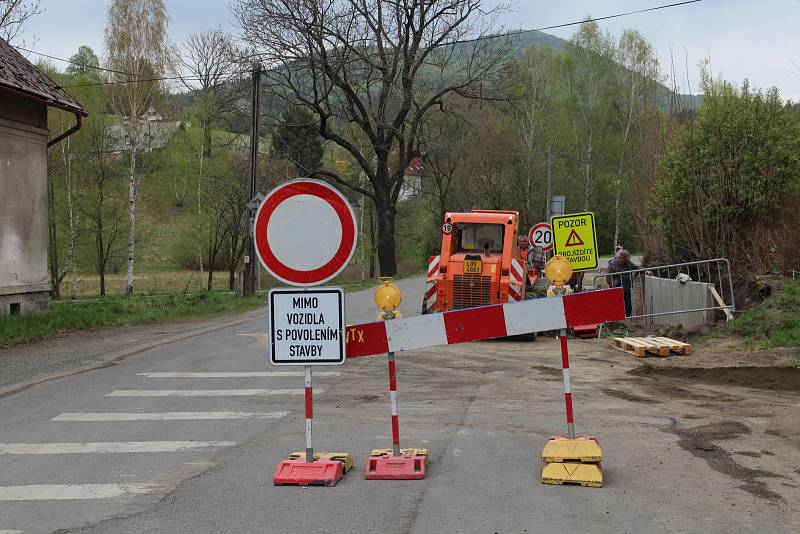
<point x="65" y="316"/>
<point x="773" y="323"/>
<point x="119" y="311"/>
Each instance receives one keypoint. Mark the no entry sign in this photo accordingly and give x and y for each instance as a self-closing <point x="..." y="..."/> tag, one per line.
<point x="305" y="232"/>
<point x="541" y="236"/>
<point x="306" y="326"/>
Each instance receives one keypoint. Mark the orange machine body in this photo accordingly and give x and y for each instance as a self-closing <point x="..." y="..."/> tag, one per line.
<point x="482" y="262"/>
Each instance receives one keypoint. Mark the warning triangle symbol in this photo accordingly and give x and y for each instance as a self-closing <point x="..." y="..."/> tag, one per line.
<point x="573" y="240"/>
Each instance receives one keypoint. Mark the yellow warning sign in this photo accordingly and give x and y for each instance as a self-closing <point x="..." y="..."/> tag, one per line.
<point x="575" y="238"/>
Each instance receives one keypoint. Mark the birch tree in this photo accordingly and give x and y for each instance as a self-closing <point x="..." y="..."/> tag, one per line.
<point x="532" y="111"/>
<point x="639" y="78"/>
<point x="139" y="53"/>
<point x="590" y="69"/>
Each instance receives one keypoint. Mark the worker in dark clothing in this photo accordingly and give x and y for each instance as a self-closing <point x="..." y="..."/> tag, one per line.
<point x="620" y="264"/>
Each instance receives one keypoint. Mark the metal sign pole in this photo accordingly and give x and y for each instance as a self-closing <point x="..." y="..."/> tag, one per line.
<point x="309" y="416"/>
<point x="393" y="395"/>
<point x="567" y="389"/>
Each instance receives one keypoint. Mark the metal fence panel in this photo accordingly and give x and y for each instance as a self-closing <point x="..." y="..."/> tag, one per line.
<point x="662" y="295"/>
<point x="679" y="293"/>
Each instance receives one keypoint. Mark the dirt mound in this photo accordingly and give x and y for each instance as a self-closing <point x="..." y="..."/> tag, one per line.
<point x="771" y="378"/>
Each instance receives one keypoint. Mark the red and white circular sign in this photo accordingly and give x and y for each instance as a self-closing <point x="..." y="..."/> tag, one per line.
<point x="541" y="236"/>
<point x="305" y="232"/>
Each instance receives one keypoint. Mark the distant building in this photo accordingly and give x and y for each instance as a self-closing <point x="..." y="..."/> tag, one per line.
<point x="412" y="181"/>
<point x="152" y="115"/>
<point x="155" y="134"/>
<point x="25" y="95"/>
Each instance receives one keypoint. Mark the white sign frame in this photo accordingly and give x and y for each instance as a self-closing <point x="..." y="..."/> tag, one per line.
<point x="306" y="235"/>
<point x="532" y="231"/>
<point x="277" y="327"/>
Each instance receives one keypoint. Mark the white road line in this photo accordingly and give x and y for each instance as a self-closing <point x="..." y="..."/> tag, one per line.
<point x="10" y="532"/>
<point x="109" y="447"/>
<point x="43" y="492"/>
<point x="204" y="392"/>
<point x="167" y="416"/>
<point x="239" y="374"/>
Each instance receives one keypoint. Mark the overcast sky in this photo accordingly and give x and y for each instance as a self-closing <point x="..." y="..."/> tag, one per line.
<point x="754" y="39"/>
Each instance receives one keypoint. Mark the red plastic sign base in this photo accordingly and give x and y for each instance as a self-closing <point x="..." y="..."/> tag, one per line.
<point x="388" y="467"/>
<point x="299" y="473"/>
<point x="586" y="331"/>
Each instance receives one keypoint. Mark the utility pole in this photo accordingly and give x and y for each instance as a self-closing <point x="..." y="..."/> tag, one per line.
<point x="250" y="270"/>
<point x="549" y="183"/>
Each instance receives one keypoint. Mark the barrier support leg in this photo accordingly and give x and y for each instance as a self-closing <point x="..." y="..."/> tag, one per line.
<point x="394" y="463"/>
<point x="309" y="415"/>
<point x="571" y="459"/>
<point x="309" y="469"/>
<point x="567" y="388"/>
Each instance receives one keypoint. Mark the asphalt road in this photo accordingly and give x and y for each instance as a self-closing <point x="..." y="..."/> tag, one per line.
<point x="79" y="418"/>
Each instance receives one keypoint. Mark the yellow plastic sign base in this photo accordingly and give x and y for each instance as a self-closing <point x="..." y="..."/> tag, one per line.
<point x="344" y="457"/>
<point x="403" y="452"/>
<point x="586" y="475"/>
<point x="584" y="449"/>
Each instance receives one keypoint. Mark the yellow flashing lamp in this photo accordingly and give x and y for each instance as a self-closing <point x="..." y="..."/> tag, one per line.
<point x="388" y="296"/>
<point x="558" y="270"/>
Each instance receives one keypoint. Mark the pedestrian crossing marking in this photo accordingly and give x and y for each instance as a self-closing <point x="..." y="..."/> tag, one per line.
<point x="166" y="416"/>
<point x="239" y="374"/>
<point x="204" y="392"/>
<point x="109" y="447"/>
<point x="46" y="492"/>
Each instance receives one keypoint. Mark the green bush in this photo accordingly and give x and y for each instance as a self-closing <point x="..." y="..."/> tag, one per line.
<point x="728" y="173"/>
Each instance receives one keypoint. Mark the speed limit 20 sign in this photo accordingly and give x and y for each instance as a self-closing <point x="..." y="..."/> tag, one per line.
<point x="541" y="236"/>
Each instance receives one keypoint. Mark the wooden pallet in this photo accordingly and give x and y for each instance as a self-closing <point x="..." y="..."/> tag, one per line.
<point x="660" y="346"/>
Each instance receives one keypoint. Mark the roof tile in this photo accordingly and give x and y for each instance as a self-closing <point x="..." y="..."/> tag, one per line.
<point x="19" y="75"/>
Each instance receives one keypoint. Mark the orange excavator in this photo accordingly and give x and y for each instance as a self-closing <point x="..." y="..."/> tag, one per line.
<point x="484" y="260"/>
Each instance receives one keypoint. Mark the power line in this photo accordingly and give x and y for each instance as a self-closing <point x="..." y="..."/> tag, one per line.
<point x="573" y="23"/>
<point x="192" y="78"/>
<point x="450" y="43"/>
<point x="161" y="79"/>
<point x="75" y="62"/>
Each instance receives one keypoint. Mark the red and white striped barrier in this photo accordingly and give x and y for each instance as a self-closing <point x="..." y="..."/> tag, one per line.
<point x="429" y="302"/>
<point x="516" y="287"/>
<point x="485" y="322"/>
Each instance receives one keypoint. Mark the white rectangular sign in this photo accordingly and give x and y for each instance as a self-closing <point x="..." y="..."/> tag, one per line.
<point x="306" y="326"/>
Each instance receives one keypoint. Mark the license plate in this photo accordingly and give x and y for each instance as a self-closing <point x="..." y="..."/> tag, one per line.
<point x="473" y="266"/>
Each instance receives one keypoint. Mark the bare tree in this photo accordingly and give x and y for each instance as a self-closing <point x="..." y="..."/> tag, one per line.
<point x="102" y="197"/>
<point x="234" y="194"/>
<point x="138" y="51"/>
<point x="209" y="59"/>
<point x="444" y="146"/>
<point x="378" y="66"/>
<point x="13" y="16"/>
